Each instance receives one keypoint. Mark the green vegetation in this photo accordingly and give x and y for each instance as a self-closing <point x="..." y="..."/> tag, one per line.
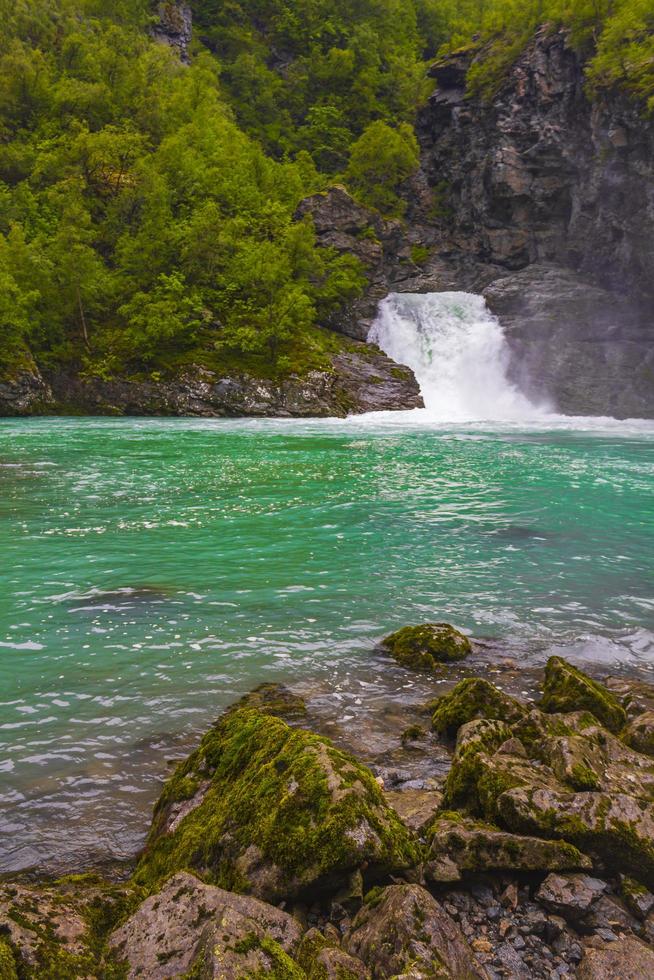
<point x="617" y="37"/>
<point x="147" y="206"/>
<point x="471" y="699"/>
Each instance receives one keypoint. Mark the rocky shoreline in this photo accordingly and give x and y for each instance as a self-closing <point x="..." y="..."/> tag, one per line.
<point x="514" y="839"/>
<point x="360" y="379"/>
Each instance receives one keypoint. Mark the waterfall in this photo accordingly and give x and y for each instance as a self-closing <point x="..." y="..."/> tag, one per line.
<point x="457" y="351"/>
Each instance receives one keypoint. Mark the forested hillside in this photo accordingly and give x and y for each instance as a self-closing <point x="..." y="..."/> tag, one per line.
<point x="147" y="205"/>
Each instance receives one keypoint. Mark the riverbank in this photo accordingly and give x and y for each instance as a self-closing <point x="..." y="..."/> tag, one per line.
<point x="494" y="836"/>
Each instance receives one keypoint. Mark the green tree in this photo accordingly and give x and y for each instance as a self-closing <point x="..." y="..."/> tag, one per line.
<point x="168" y="316"/>
<point x="381" y="159"/>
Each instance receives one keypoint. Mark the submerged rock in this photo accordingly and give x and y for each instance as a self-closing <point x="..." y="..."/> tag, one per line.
<point x="189" y="925"/>
<point x="403" y="930"/>
<point x="474" y="698"/>
<point x="428" y="646"/>
<point x="568" y="689"/>
<point x="264" y="808"/>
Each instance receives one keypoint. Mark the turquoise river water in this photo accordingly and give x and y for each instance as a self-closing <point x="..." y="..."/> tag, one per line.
<point x="153" y="570"/>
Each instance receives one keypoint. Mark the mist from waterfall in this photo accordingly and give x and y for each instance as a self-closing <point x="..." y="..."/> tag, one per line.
<point x="458" y="353"/>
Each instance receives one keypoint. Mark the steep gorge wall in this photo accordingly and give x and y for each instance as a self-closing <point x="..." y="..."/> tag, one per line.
<point x="543" y="200"/>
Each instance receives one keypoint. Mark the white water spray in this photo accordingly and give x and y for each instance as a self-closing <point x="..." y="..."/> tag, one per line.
<point x="458" y="353"/>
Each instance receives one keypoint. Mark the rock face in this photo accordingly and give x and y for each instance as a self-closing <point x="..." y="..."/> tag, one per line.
<point x="361" y="379"/>
<point x="540" y="176"/>
<point x="175" y="26"/>
<point x="575" y="346"/>
<point x="25" y="394"/>
<point x="273" y="811"/>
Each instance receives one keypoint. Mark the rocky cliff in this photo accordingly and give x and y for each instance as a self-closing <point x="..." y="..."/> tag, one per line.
<point x="544" y="201"/>
<point x="360" y="379"/>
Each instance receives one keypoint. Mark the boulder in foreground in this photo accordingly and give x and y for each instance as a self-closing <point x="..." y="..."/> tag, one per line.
<point x="192" y="926"/>
<point x="266" y="809"/>
<point x="403" y="930"/>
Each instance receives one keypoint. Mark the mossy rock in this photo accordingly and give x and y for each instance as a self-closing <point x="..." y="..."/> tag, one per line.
<point x="475" y="846"/>
<point x="474" y="698"/>
<point x="477" y="740"/>
<point x="7" y="962"/>
<point x="273" y="699"/>
<point x="266" y="809"/>
<point x="568" y="689"/>
<point x="428" y="646"/>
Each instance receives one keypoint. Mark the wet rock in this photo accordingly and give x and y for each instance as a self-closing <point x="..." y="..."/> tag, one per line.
<point x="428" y="646"/>
<point x="474" y="698"/>
<point x="188" y="923"/>
<point x="405" y="929"/>
<point x="273" y="811"/>
<point x="568" y="689"/>
<point x="626" y="959"/>
<point x="477" y="847"/>
<point x="570" y="895"/>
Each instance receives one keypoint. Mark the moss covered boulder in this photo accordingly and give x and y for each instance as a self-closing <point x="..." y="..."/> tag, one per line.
<point x="427" y="646"/>
<point x="476" y="846"/>
<point x="271" y="810"/>
<point x="568" y="689"/>
<point x="470" y="699"/>
<point x="618" y="830"/>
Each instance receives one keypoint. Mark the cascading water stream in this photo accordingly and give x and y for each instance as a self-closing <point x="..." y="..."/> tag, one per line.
<point x="458" y="353"/>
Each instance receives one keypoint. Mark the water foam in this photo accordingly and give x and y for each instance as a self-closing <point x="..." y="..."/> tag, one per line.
<point x="458" y="352"/>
